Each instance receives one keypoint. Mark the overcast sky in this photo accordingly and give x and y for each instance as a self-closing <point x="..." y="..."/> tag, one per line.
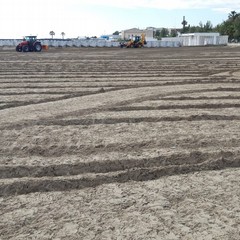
<point x="97" y="17"/>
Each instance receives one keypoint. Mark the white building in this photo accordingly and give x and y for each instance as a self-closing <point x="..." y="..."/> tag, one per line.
<point x="130" y="33"/>
<point x="200" y="39"/>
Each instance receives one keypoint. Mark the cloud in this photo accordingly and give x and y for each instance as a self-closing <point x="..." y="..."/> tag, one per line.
<point x="174" y="4"/>
<point x="86" y="17"/>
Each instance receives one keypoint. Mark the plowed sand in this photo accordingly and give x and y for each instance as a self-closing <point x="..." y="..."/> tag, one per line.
<point x="120" y="144"/>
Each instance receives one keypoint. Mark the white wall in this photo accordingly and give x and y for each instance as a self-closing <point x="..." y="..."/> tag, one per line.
<point x="9" y="42"/>
<point x="191" y="39"/>
<point x="87" y="43"/>
<point x="200" y="39"/>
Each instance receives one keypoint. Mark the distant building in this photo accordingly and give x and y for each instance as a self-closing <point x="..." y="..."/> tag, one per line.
<point x="130" y="33"/>
<point x="199" y="39"/>
<point x="110" y="37"/>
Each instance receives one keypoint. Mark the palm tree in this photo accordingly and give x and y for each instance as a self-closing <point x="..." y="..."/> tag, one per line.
<point x="63" y="34"/>
<point x="52" y="33"/>
<point x="184" y="23"/>
<point x="233" y="15"/>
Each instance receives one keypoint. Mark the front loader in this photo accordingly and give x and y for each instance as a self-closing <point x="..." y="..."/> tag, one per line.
<point x="136" y="42"/>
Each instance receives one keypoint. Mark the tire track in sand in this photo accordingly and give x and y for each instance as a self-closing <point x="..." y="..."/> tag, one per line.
<point x="88" y="104"/>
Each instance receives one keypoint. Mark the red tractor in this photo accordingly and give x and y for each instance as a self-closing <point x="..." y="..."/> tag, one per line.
<point x="29" y="44"/>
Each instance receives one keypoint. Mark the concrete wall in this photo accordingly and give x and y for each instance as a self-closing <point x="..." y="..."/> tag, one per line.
<point x="86" y="43"/>
<point x="192" y="39"/>
<point x="9" y="42"/>
<point x="157" y="44"/>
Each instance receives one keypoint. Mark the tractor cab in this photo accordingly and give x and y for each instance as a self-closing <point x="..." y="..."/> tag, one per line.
<point x="30" y="38"/>
<point x="137" y="39"/>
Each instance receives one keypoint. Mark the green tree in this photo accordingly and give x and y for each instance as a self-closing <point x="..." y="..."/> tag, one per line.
<point x="230" y="27"/>
<point x="157" y="34"/>
<point x="116" y="33"/>
<point x="173" y="33"/>
<point x="184" y="23"/>
<point x="194" y="29"/>
<point x="164" y="33"/>
<point x="226" y="28"/>
<point x="208" y="27"/>
<point x="232" y="15"/>
<point x="236" y="28"/>
<point x="201" y="27"/>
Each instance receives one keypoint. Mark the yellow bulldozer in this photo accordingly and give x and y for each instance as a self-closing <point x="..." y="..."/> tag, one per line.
<point x="136" y="42"/>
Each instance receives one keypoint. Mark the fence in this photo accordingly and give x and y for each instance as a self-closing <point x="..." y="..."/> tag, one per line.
<point x="87" y="43"/>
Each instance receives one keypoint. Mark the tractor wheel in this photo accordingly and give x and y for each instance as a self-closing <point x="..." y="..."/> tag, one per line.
<point x="18" y="49"/>
<point x="25" y="48"/>
<point x="38" y="47"/>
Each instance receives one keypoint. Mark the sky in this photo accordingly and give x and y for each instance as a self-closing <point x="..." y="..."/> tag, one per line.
<point x="78" y="18"/>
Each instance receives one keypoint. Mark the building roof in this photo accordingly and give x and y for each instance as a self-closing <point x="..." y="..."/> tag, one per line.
<point x="200" y="34"/>
<point x="133" y="30"/>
